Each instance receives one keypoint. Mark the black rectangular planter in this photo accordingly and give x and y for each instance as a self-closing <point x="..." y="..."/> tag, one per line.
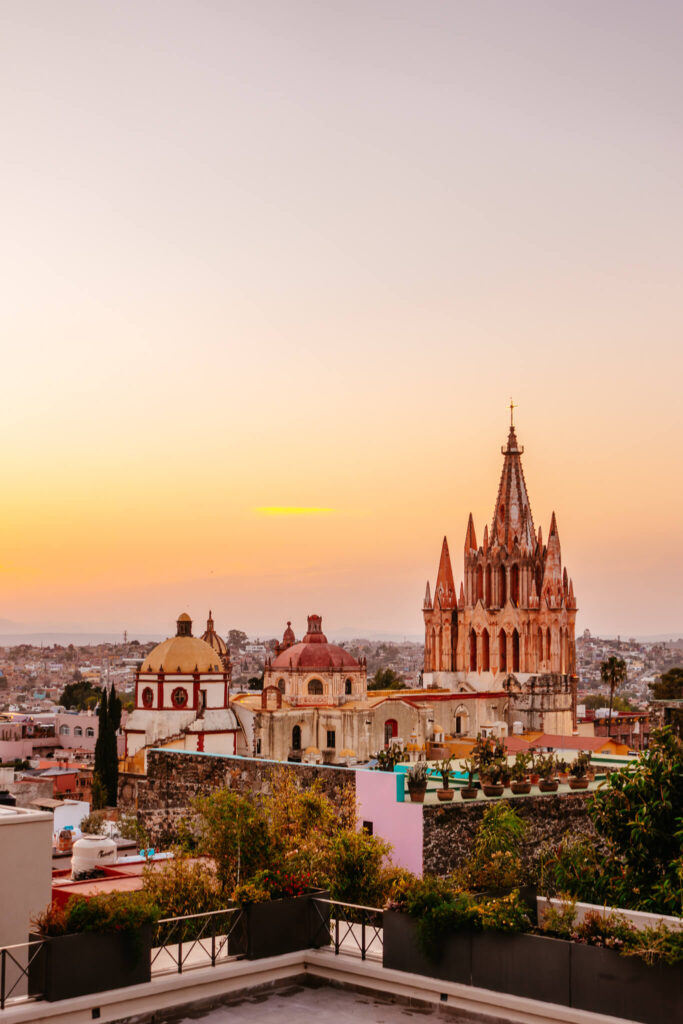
<point x="286" y="925"/>
<point x="523" y="965"/>
<point x="625" y="986"/>
<point x="77" y="965"/>
<point x="402" y="950"/>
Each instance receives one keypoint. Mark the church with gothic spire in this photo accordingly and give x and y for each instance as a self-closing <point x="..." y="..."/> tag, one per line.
<point x="511" y="626"/>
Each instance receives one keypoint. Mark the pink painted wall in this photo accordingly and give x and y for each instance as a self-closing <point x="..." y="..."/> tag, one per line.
<point x="399" y="823"/>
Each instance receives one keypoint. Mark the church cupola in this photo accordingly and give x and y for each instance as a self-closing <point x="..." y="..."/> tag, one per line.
<point x="184" y="625"/>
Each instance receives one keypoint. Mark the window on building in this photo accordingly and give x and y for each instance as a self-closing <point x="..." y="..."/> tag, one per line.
<point x="331" y="738"/>
<point x="347" y="687"/>
<point x="368" y="828"/>
<point x="281" y="685"/>
<point x="78" y="731"/>
<point x="90" y="732"/>
<point x="64" y="730"/>
<point x="390" y="731"/>
<point x="258" y="746"/>
<point x="458" y="725"/>
<point x="315" y="687"/>
<point x="296" y="738"/>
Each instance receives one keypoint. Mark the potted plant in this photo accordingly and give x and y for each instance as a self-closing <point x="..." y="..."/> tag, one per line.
<point x="579" y="768"/>
<point x="444" y="769"/>
<point x="545" y="767"/>
<point x="416" y="778"/>
<point x="492" y="781"/>
<point x="387" y="758"/>
<point x="519" y="773"/>
<point x="470" y="791"/>
<point x="280" y="914"/>
<point x="534" y="777"/>
<point x="92" y="945"/>
<point x="562" y="769"/>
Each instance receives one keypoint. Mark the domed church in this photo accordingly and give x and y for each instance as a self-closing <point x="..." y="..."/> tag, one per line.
<point x="182" y="694"/>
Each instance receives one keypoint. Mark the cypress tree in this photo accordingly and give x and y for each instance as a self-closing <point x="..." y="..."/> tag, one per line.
<point x="106" y="754"/>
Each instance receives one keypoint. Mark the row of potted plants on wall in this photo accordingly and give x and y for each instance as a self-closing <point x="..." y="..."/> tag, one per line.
<point x="490" y="763"/>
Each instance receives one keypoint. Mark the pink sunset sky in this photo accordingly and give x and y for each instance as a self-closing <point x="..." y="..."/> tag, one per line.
<point x="272" y="271"/>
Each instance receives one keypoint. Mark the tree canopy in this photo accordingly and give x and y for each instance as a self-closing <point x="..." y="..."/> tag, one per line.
<point x="80" y="694"/>
<point x="670" y="687"/>
<point x="386" y="679"/>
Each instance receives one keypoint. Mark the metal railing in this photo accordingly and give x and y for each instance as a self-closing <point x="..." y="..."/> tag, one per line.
<point x="14" y="970"/>
<point x="198" y="940"/>
<point x="353" y="928"/>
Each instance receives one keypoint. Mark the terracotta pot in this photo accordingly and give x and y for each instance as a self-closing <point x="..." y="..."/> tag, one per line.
<point x="520" y="787"/>
<point x="493" y="789"/>
<point x="445" y="794"/>
<point x="534" y="779"/>
<point x="417" y="793"/>
<point x="548" y="785"/>
<point x="575" y="783"/>
<point x="563" y="777"/>
<point x="469" y="792"/>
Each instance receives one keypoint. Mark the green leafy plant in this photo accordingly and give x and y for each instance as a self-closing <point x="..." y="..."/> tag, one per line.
<point x="439" y="908"/>
<point x="546" y="767"/>
<point x="393" y="754"/>
<point x="417" y="774"/>
<point x="505" y="914"/>
<point x="444" y="770"/>
<point x="580" y="765"/>
<point x="469" y="766"/>
<point x="496" y="861"/>
<point x="519" y="770"/>
<point x="94" y="824"/>
<point x="110" y="913"/>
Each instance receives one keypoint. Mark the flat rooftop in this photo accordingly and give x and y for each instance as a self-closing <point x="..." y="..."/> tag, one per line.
<point x="324" y="1004"/>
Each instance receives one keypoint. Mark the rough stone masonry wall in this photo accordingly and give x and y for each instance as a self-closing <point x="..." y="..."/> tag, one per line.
<point x="163" y="796"/>
<point x="449" y="830"/>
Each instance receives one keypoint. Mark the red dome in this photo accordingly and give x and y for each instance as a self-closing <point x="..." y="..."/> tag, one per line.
<point x="315" y="655"/>
<point x="314" y="652"/>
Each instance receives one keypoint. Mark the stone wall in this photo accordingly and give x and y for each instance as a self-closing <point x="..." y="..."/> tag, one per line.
<point x="449" y="830"/>
<point x="174" y="778"/>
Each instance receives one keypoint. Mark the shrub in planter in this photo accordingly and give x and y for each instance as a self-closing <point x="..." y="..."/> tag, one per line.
<point x="280" y="914"/>
<point x="416" y="779"/>
<point x="578" y="777"/>
<point x="444" y="769"/>
<point x="519" y="773"/>
<point x="393" y="754"/>
<point x="93" y="945"/>
<point x="469" y="792"/>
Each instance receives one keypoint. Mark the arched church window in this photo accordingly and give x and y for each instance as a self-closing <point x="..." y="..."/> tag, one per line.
<point x="390" y="731"/>
<point x="147" y="697"/>
<point x="281" y="685"/>
<point x="502" y="651"/>
<point x="502" y="586"/>
<point x="514" y="584"/>
<point x="488" y="586"/>
<point x="315" y="687"/>
<point x="485" y="651"/>
<point x="547" y="648"/>
<point x="515" y="651"/>
<point x="348" y="689"/>
<point x="296" y="738"/>
<point x="473" y="651"/>
<point x="480" y="584"/>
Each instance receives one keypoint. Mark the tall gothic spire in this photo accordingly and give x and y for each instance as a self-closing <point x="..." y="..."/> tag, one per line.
<point x="444" y="590"/>
<point x="470" y="536"/>
<point x="512" y="516"/>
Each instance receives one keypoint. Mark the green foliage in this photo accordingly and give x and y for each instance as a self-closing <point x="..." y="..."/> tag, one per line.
<point x="546" y="767"/>
<point x="640" y="813"/>
<point x="574" y="866"/>
<point x="394" y="754"/>
<point x="93" y="824"/>
<point x="505" y="914"/>
<point x="357" y="871"/>
<point x="272" y="884"/>
<point x="112" y="913"/>
<point x="613" y="673"/>
<point x="182" y="886"/>
<point x="444" y="769"/>
<point x="386" y="679"/>
<point x="580" y="765"/>
<point x="670" y="687"/>
<point x="106" y="753"/>
<point x="597" y="700"/>
<point x="417" y="774"/>
<point x="521" y="766"/>
<point x="234" y="831"/>
<point x="495" y="862"/>
<point x="237" y="640"/>
<point x="79" y="694"/>
<point x="98" y="792"/>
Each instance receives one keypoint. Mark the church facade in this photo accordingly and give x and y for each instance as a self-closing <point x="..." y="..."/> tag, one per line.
<point x="511" y="627"/>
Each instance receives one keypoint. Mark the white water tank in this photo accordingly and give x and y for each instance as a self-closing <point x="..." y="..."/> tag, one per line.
<point x="91" y="853"/>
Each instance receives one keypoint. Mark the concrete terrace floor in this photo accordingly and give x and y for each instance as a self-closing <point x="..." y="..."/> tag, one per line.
<point x="324" y="1004"/>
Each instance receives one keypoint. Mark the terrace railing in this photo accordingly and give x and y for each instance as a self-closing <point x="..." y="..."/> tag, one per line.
<point x="354" y="929"/>
<point x="14" y="966"/>
<point x="197" y="940"/>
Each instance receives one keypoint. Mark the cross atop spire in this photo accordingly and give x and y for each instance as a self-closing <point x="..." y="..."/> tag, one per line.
<point x="513" y="406"/>
<point x="512" y="515"/>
